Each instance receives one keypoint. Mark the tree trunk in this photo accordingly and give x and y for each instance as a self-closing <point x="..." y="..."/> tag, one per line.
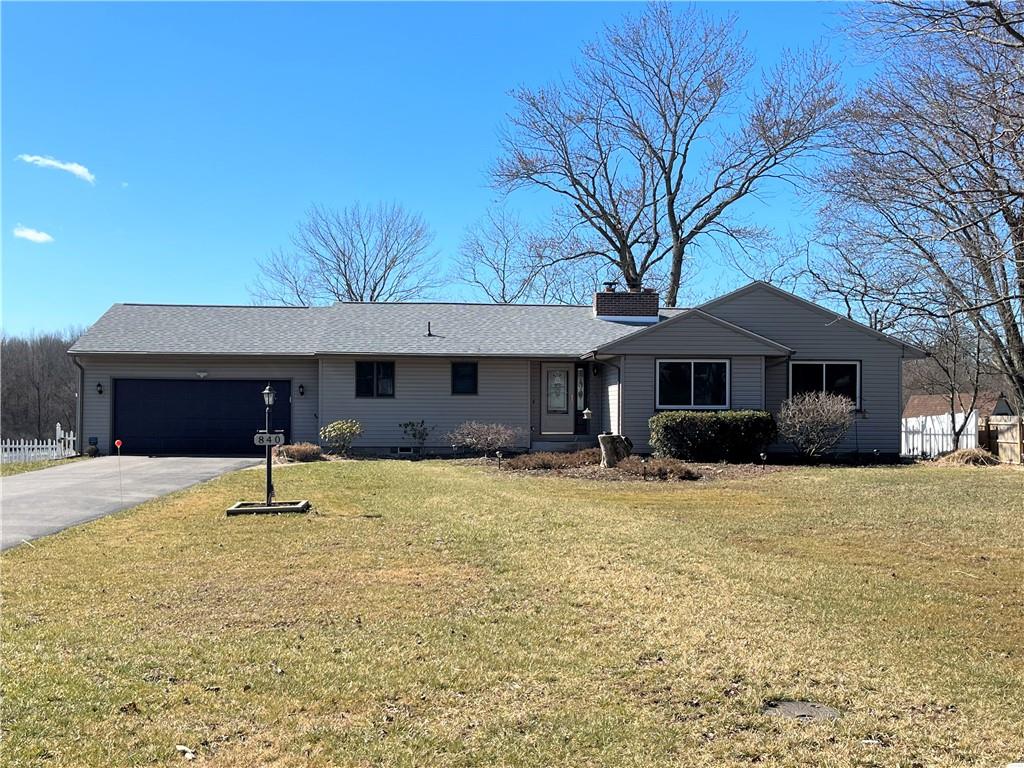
<point x="614" y="448"/>
<point x="674" y="275"/>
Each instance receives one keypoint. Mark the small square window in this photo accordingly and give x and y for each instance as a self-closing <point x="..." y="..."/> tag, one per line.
<point x="375" y="379"/>
<point x="464" y="378"/>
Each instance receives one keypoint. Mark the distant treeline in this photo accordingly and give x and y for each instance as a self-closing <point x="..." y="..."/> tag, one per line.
<point x="38" y="384"/>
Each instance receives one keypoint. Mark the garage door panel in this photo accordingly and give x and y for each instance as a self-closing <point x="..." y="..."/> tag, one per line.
<point x="188" y="416"/>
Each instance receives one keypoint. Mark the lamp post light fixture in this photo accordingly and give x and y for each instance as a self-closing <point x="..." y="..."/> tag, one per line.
<point x="499" y="455"/>
<point x="764" y="458"/>
<point x="268" y="400"/>
<point x="643" y="467"/>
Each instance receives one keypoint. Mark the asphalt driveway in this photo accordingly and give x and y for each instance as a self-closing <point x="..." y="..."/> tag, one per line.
<point x="35" y="504"/>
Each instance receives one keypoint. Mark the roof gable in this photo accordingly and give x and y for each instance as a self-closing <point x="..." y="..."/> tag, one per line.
<point x="694" y="331"/>
<point x="743" y="303"/>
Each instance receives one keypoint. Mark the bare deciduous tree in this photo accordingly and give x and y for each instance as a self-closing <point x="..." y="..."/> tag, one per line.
<point x="39" y="385"/>
<point x="925" y="217"/>
<point x="644" y="146"/>
<point x="358" y="253"/>
<point x="498" y="259"/>
<point x="509" y="263"/>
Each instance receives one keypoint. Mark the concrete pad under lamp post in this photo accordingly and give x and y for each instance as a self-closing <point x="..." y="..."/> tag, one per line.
<point x="268" y="439"/>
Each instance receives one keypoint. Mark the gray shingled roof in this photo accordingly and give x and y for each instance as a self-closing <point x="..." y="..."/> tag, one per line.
<point x="393" y="329"/>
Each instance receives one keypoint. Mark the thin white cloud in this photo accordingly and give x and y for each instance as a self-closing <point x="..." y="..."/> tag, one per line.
<point x="32" y="235"/>
<point x="75" y="169"/>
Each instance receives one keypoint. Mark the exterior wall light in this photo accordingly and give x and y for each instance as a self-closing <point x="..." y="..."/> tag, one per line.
<point x="99" y="388"/>
<point x="588" y="414"/>
<point x="302" y="390"/>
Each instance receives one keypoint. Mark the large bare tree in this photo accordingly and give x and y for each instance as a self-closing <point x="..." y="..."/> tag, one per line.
<point x="358" y="253"/>
<point x="511" y="263"/>
<point x="660" y="134"/>
<point x="925" y="217"/>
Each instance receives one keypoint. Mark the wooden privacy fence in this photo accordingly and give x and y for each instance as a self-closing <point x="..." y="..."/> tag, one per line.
<point x="62" y="446"/>
<point x="1004" y="437"/>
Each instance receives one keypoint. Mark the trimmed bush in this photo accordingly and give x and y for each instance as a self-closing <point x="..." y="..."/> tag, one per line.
<point x="338" y="436"/>
<point x="555" y="460"/>
<point x="300" y="452"/>
<point x="484" y="438"/>
<point x="815" y="422"/>
<point x="658" y="469"/>
<point x="737" y="436"/>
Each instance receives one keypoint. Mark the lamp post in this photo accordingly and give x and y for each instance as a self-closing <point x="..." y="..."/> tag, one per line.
<point x="268" y="399"/>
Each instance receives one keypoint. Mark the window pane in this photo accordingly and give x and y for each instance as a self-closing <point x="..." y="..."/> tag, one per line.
<point x="709" y="384"/>
<point x="385" y="379"/>
<point x="364" y="379"/>
<point x="581" y="389"/>
<point x="841" y="379"/>
<point x="674" y="384"/>
<point x="808" y="377"/>
<point x="558" y="391"/>
<point x="464" y="378"/>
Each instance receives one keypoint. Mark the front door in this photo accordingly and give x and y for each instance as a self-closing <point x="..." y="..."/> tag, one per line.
<point x="556" y="407"/>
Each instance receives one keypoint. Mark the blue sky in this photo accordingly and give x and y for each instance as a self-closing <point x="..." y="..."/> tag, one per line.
<point x="210" y="128"/>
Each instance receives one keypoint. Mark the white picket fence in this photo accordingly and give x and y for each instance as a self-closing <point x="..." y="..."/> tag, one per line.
<point x="62" y="446"/>
<point x="933" y="435"/>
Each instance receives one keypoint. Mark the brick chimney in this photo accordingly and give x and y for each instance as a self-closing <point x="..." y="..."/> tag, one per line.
<point x="635" y="305"/>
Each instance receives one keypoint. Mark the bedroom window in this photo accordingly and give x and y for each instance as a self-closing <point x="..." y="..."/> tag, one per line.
<point x="697" y="384"/>
<point x="839" y="377"/>
<point x="375" y="379"/>
<point x="464" y="378"/>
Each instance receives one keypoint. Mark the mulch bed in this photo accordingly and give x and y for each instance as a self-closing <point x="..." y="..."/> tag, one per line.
<point x="707" y="473"/>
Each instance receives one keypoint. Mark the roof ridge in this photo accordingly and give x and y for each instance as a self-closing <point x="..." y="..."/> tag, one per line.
<point x="214" y="306"/>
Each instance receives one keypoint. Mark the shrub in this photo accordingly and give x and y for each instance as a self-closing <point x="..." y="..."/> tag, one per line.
<point x="815" y="422"/>
<point x="975" y="457"/>
<point x="474" y="436"/>
<point x="300" y="452"/>
<point x="417" y="431"/>
<point x="338" y="436"/>
<point x="711" y="435"/>
<point x="555" y="460"/>
<point x="658" y="468"/>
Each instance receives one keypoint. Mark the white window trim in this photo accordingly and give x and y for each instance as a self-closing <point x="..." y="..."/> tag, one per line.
<point x="823" y="363"/>
<point x="657" y="383"/>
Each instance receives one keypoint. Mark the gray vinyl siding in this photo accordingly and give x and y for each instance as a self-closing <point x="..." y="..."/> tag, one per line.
<point x="818" y="335"/>
<point x="610" y="386"/>
<point x="639" y="392"/>
<point x="97" y="408"/>
<point x="423" y="392"/>
<point x="691" y="336"/>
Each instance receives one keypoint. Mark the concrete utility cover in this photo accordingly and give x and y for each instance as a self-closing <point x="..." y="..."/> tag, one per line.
<point x="800" y="710"/>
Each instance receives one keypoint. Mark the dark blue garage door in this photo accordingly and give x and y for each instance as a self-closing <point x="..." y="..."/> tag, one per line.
<point x="195" y="417"/>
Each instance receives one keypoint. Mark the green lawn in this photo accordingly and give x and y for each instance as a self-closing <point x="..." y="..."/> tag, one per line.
<point x="435" y="614"/>
<point x="16" y="468"/>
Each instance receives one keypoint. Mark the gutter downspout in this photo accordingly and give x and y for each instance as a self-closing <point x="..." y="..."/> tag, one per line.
<point x="80" y="410"/>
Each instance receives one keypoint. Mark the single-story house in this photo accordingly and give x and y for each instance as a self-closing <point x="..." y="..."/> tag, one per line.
<point x="188" y="379"/>
<point x="928" y="430"/>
